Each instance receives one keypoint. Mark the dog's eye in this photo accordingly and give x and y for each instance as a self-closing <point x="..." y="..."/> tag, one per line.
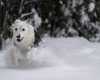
<point x="15" y="29"/>
<point x="23" y="29"/>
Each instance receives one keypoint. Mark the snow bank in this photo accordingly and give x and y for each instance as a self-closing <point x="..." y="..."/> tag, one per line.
<point x="38" y="57"/>
<point x="76" y="59"/>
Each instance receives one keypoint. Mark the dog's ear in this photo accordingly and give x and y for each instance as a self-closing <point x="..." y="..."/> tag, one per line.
<point x="37" y="39"/>
<point x="15" y="23"/>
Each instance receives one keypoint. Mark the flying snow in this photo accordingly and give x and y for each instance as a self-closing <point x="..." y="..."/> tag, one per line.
<point x="76" y="59"/>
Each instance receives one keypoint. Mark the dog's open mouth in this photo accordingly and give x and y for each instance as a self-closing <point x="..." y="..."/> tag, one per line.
<point x="19" y="40"/>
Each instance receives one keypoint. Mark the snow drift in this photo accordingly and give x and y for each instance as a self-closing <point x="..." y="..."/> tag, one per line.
<point x="58" y="59"/>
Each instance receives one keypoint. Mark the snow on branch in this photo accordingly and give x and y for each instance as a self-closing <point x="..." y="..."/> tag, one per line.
<point x="36" y="19"/>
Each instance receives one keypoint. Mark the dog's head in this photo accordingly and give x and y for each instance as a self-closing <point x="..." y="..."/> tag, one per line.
<point x="24" y="34"/>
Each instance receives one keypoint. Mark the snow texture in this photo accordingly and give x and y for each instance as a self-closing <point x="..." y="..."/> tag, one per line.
<point x="41" y="55"/>
<point x="84" y="17"/>
<point x="65" y="10"/>
<point x="2" y="4"/>
<point x="73" y="32"/>
<point x="36" y="19"/>
<point x="91" y="7"/>
<point x="76" y="2"/>
<point x="64" y="59"/>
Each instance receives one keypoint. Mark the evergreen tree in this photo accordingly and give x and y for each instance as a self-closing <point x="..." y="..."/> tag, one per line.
<point x="66" y="18"/>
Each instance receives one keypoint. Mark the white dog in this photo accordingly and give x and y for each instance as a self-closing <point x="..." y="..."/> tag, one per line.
<point x="23" y="35"/>
<point x="23" y="38"/>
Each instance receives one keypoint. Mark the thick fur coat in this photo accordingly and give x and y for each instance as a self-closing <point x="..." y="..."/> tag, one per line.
<point x="23" y="39"/>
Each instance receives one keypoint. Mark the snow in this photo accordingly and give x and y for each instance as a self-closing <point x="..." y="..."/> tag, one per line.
<point x="84" y="17"/>
<point x="72" y="31"/>
<point x="76" y="2"/>
<point x="2" y="4"/>
<point x="65" y="10"/>
<point x="67" y="59"/>
<point x="60" y="1"/>
<point x="91" y="7"/>
<point x="36" y="18"/>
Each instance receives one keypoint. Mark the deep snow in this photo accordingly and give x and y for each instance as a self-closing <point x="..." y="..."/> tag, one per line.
<point x="65" y="59"/>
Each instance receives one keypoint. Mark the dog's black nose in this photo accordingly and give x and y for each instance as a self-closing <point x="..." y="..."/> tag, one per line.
<point x="18" y="36"/>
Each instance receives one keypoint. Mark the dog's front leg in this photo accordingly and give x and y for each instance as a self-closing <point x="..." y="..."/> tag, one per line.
<point x="29" y="57"/>
<point x="15" y="55"/>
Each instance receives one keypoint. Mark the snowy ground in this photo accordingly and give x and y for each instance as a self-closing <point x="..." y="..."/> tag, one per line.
<point x="69" y="59"/>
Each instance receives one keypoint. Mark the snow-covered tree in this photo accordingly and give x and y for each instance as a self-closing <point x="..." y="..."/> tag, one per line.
<point x="54" y="18"/>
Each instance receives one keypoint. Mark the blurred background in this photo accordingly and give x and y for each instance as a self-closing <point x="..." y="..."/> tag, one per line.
<point x="53" y="18"/>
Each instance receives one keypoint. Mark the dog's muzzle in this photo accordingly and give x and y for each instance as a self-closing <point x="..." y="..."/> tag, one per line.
<point x="19" y="40"/>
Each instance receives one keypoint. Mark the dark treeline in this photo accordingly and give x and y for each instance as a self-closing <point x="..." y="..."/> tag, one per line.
<point x="66" y="18"/>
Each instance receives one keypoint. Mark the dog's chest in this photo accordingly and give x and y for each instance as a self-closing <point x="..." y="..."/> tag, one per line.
<point x="23" y="49"/>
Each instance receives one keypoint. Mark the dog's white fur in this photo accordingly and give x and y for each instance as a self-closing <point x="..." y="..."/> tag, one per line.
<point x="21" y="48"/>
